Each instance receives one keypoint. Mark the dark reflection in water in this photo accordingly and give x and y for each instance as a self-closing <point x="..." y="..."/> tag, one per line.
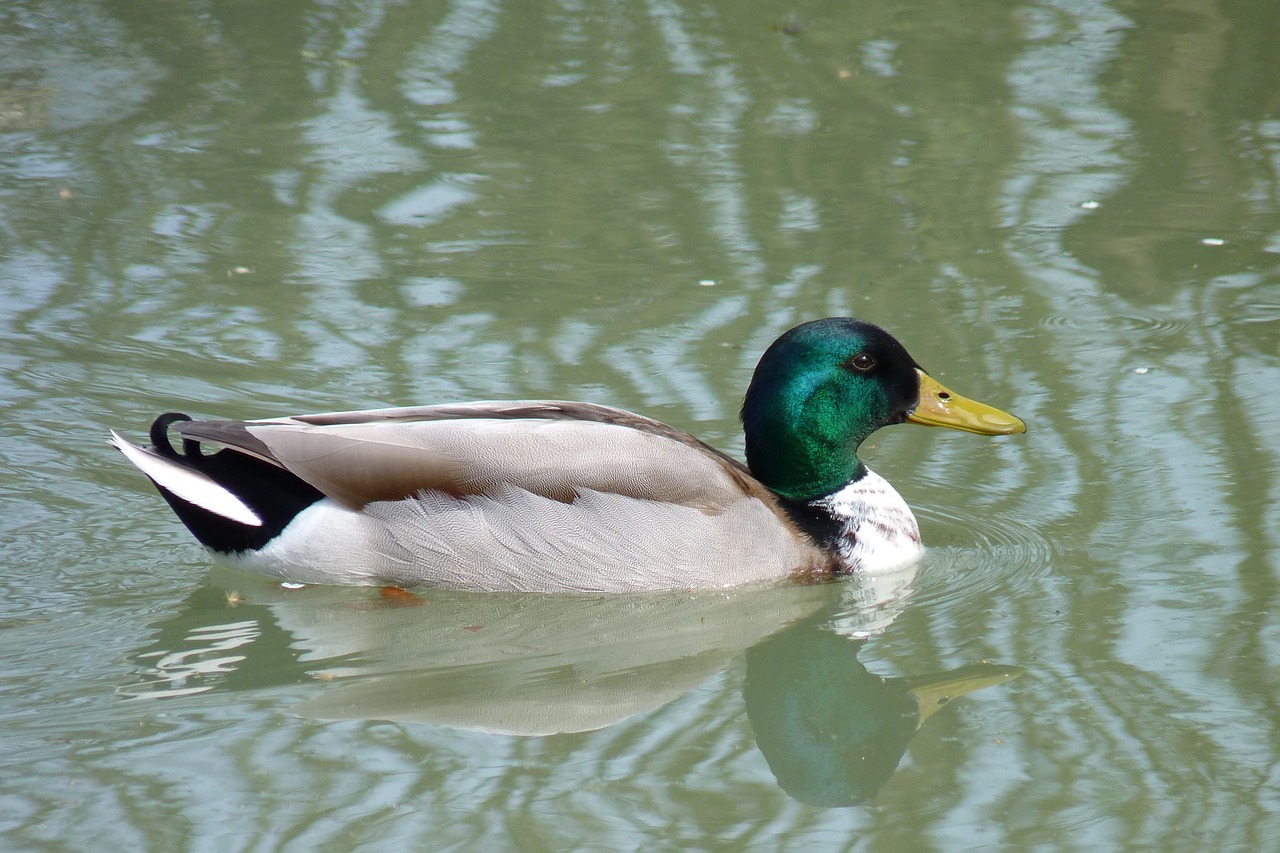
<point x="537" y="665"/>
<point x="832" y="732"/>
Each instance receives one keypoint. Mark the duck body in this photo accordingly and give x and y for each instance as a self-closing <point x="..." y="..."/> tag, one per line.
<point x="564" y="496"/>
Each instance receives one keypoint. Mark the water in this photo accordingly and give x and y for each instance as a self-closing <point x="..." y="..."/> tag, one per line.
<point x="1067" y="210"/>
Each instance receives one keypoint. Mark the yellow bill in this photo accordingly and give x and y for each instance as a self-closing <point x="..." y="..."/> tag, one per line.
<point x="934" y="691"/>
<point x="943" y="408"/>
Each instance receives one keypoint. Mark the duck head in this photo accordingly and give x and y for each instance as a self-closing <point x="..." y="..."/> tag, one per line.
<point x="824" y="386"/>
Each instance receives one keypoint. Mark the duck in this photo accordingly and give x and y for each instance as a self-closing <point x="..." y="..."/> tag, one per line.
<point x="571" y="497"/>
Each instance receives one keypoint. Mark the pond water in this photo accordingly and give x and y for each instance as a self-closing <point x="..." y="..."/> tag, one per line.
<point x="1068" y="210"/>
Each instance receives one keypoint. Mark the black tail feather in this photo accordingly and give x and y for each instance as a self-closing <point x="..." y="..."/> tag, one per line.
<point x="273" y="493"/>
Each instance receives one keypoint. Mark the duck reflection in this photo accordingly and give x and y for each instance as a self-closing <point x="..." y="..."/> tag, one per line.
<point x="532" y="665"/>
<point x="832" y="732"/>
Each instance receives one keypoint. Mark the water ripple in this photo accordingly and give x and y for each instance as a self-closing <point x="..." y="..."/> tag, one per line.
<point x="972" y="556"/>
<point x="1117" y="323"/>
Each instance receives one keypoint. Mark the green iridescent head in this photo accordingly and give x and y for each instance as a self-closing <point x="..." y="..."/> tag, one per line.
<point x="824" y="386"/>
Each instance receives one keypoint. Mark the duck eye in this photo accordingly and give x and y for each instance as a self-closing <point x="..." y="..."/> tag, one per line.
<point x="862" y="362"/>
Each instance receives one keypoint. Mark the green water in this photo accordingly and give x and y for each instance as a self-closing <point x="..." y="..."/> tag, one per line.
<point x="1069" y="210"/>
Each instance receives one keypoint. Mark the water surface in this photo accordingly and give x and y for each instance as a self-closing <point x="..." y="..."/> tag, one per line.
<point x="240" y="210"/>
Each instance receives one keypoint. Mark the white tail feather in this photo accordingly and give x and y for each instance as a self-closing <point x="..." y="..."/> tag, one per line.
<point x="190" y="485"/>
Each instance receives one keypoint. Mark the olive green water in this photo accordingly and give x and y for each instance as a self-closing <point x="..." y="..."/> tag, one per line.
<point x="1071" y="210"/>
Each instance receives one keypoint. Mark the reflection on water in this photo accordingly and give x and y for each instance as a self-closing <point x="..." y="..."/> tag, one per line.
<point x="181" y="673"/>
<point x="539" y="665"/>
<point x="832" y="732"/>
<point x="528" y="664"/>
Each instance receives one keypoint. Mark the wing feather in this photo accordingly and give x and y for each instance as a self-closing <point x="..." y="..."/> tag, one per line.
<point x="553" y="449"/>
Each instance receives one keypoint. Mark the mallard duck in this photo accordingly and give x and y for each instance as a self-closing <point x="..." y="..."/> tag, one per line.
<point x="561" y="496"/>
